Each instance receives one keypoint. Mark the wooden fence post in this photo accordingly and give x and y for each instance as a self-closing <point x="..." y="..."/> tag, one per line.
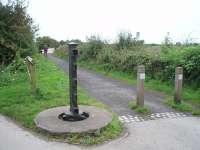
<point x="31" y="72"/>
<point x="178" y="85"/>
<point x="140" y="85"/>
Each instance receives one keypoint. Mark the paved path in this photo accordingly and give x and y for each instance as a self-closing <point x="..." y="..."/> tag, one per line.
<point x="175" y="131"/>
<point x="161" y="134"/>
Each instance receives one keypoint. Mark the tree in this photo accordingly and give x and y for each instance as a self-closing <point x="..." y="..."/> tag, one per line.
<point x="16" y="31"/>
<point x="168" y="40"/>
<point x="189" y="40"/>
<point x="126" y="40"/>
<point x="46" y="40"/>
<point x="76" y="41"/>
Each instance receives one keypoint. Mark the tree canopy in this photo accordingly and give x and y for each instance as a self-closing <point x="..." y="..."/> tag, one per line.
<point x="17" y="30"/>
<point x="46" y="40"/>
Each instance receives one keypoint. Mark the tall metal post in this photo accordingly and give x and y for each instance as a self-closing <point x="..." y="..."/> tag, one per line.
<point x="74" y="114"/>
<point x="73" y="52"/>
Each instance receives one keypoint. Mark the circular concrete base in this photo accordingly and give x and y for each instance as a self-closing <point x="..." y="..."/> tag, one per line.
<point x="48" y="120"/>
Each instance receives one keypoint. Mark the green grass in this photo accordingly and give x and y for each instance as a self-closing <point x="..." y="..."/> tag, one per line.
<point x="110" y="132"/>
<point x="196" y="112"/>
<point x="185" y="107"/>
<point x="141" y="110"/>
<point x="18" y="102"/>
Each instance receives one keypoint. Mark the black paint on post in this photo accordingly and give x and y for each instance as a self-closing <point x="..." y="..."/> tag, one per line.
<point x="74" y="111"/>
<point x="73" y="52"/>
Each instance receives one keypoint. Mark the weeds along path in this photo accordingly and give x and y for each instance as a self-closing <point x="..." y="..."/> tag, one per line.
<point x="116" y="94"/>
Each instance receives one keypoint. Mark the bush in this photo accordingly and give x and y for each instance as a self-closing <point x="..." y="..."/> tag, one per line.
<point x="13" y="73"/>
<point x="91" y="48"/>
<point x="165" y="63"/>
<point x="46" y="40"/>
<point x="122" y="60"/>
<point x="159" y="66"/>
<point x="191" y="64"/>
<point x="62" y="51"/>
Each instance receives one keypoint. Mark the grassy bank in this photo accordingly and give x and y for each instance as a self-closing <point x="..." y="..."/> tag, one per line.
<point x="17" y="101"/>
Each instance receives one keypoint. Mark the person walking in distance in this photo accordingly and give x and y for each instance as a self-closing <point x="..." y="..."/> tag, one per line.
<point x="45" y="50"/>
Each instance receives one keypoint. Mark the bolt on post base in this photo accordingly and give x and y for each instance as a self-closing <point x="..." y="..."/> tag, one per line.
<point x="73" y="117"/>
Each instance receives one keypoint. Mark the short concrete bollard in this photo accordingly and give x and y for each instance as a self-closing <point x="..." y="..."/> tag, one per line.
<point x="178" y="84"/>
<point x="31" y="72"/>
<point x="140" y="85"/>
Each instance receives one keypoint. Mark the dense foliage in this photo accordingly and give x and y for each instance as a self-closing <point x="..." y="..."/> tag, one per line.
<point x="91" y="48"/>
<point x="127" y="41"/>
<point x="127" y="53"/>
<point x="46" y="40"/>
<point x="159" y="65"/>
<point x="16" y="31"/>
<point x="62" y="51"/>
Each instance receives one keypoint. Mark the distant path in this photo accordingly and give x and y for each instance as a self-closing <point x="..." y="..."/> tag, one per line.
<point x="117" y="94"/>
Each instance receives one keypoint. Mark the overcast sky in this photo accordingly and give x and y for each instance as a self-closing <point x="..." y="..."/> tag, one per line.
<point x="75" y="19"/>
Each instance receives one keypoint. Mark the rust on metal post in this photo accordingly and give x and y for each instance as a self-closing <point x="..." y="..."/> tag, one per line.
<point x="140" y="85"/>
<point x="178" y="84"/>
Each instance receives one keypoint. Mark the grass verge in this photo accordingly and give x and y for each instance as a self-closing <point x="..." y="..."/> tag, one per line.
<point x="17" y="101"/>
<point x="141" y="110"/>
<point x="196" y="112"/>
<point x="185" y="107"/>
